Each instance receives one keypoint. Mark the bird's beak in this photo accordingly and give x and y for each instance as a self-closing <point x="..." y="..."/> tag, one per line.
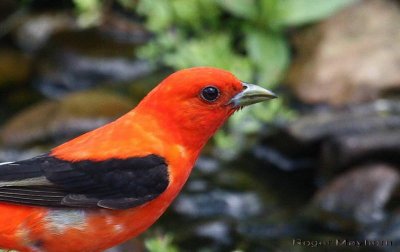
<point x="251" y="94"/>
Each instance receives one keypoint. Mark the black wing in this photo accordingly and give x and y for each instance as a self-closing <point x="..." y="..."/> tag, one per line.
<point x="115" y="184"/>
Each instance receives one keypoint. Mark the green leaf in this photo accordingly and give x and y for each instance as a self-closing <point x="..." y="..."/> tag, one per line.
<point x="240" y="8"/>
<point x="298" y="12"/>
<point x="191" y="14"/>
<point x="164" y="43"/>
<point x="268" y="14"/>
<point x="214" y="50"/>
<point x="269" y="53"/>
<point x="187" y="12"/>
<point x="159" y="14"/>
<point x="268" y="111"/>
<point x="211" y="13"/>
<point x="89" y="12"/>
<point x="160" y="244"/>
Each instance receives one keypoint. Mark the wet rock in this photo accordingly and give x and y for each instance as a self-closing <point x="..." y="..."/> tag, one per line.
<point x="15" y="72"/>
<point x="217" y="231"/>
<point x="29" y="125"/>
<point x="68" y="71"/>
<point x="35" y="30"/>
<point x="78" y="59"/>
<point x="388" y="230"/>
<point x="345" y="150"/>
<point x="208" y="235"/>
<point x="262" y="229"/>
<point x="10" y="15"/>
<point x="123" y="29"/>
<point x="15" y="67"/>
<point x="358" y="196"/>
<point x="207" y="165"/>
<point x="379" y="116"/>
<point x="275" y="157"/>
<point x="218" y="203"/>
<point x="350" y="57"/>
<point x="197" y="186"/>
<point x="52" y="121"/>
<point x="340" y="138"/>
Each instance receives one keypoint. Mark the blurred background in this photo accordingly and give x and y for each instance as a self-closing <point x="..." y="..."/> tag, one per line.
<point x="317" y="166"/>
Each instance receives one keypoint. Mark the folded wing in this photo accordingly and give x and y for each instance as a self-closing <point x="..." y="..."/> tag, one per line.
<point x="114" y="184"/>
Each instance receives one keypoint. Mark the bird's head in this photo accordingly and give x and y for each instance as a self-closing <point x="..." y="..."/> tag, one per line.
<point x="197" y="101"/>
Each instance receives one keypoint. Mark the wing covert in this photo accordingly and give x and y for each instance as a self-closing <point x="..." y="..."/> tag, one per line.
<point x="115" y="183"/>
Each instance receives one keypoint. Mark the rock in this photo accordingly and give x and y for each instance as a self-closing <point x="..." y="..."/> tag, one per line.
<point x="276" y="158"/>
<point x="339" y="138"/>
<point x="52" y="121"/>
<point x="351" y="57"/>
<point x="67" y="71"/>
<point x="15" y="73"/>
<point x="123" y="29"/>
<point x="358" y="196"/>
<point x="218" y="203"/>
<point x="7" y="8"/>
<point x="379" y="116"/>
<point x="15" y="67"/>
<point x="72" y="58"/>
<point x="217" y="231"/>
<point x="29" y="126"/>
<point x="34" y="30"/>
<point x="10" y="15"/>
<point x="197" y="186"/>
<point x="207" y="165"/>
<point x="387" y="231"/>
<point x="261" y="229"/>
<point x="344" y="150"/>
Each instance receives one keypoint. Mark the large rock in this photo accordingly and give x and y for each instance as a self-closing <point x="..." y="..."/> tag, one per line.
<point x="333" y="140"/>
<point x="353" y="56"/>
<point x="360" y="195"/>
<point x="34" y="30"/>
<point x="54" y="122"/>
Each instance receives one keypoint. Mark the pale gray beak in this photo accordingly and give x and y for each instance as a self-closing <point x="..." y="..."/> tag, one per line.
<point x="251" y="94"/>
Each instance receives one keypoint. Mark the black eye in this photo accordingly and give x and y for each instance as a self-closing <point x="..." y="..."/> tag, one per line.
<point x="210" y="93"/>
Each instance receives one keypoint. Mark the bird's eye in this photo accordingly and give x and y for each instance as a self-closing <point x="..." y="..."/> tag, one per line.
<point x="210" y="93"/>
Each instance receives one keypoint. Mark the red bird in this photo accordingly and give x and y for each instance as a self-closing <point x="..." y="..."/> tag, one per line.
<point x="111" y="184"/>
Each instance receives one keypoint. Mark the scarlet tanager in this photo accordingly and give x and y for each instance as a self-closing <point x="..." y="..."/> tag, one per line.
<point x="111" y="184"/>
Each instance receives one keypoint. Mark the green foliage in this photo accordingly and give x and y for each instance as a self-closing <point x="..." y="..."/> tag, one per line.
<point x="267" y="47"/>
<point x="243" y="9"/>
<point x="297" y="12"/>
<point x="160" y="244"/>
<point x="89" y="11"/>
<point x="213" y="50"/>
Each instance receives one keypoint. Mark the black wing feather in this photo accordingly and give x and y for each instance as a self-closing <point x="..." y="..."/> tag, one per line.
<point x="115" y="183"/>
